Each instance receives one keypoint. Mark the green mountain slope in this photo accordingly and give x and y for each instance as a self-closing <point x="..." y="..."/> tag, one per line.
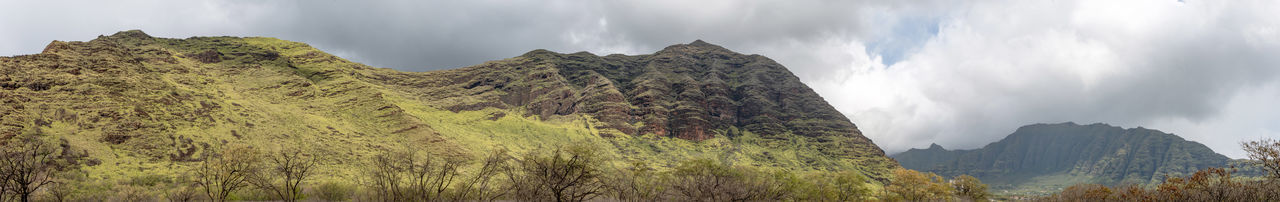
<point x="140" y="105"/>
<point x="1059" y="155"/>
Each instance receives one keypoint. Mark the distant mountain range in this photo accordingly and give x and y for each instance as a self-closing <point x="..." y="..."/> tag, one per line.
<point x="140" y="105"/>
<point x="1058" y="155"/>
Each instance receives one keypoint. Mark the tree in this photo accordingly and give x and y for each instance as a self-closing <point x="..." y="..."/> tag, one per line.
<point x="1211" y="184"/>
<point x="1083" y="192"/>
<point x="28" y="163"/>
<point x="284" y="172"/>
<point x="429" y="177"/>
<point x="569" y="174"/>
<point x="224" y="172"/>
<point x="938" y="188"/>
<point x="970" y="188"/>
<point x="405" y="175"/>
<point x="850" y="186"/>
<point x="1266" y="154"/>
<point x="1134" y="192"/>
<point x="385" y="176"/>
<point x="838" y="186"/>
<point x="912" y="185"/>
<point x="480" y="186"/>
<point x="636" y="183"/>
<point x="708" y="180"/>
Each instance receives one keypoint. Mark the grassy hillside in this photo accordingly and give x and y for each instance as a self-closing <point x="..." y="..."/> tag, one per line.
<point x="141" y="106"/>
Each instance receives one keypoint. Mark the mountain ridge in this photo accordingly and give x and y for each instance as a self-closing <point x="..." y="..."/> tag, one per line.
<point x="138" y="103"/>
<point x="1094" y="153"/>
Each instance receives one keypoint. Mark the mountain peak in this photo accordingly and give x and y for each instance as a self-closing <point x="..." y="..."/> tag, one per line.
<point x="935" y="146"/>
<point x="131" y="34"/>
<point x="699" y="42"/>
<point x="55" y="47"/>
<point x="538" y="52"/>
<point x="696" y="47"/>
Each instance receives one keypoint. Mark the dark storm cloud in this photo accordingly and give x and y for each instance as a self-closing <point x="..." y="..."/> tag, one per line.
<point x="427" y="35"/>
<point x="432" y="35"/>
<point x="909" y="73"/>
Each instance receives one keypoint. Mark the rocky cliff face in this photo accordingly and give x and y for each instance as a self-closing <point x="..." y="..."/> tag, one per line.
<point x="684" y="91"/>
<point x="135" y="100"/>
<point x="689" y="91"/>
<point x="1098" y="152"/>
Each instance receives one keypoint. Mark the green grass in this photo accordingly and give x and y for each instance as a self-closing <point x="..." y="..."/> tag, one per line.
<point x="343" y="111"/>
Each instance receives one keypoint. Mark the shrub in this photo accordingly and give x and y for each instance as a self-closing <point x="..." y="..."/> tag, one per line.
<point x="133" y="193"/>
<point x="1083" y="192"/>
<point x="710" y="180"/>
<point x="912" y="185"/>
<point x="1266" y="154"/>
<point x="181" y="194"/>
<point x="333" y="191"/>
<point x="1212" y="184"/>
<point x="636" y="183"/>
<point x="969" y="188"/>
<point x="838" y="186"/>
<point x="148" y="180"/>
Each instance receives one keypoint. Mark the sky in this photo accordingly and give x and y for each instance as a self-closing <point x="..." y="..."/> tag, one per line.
<point x="961" y="74"/>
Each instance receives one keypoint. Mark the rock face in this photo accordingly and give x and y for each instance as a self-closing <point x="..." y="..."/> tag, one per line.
<point x="134" y="98"/>
<point x="689" y="91"/>
<point x="1103" y="153"/>
<point x="684" y="91"/>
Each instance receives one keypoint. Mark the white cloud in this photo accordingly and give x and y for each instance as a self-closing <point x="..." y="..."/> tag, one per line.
<point x="1179" y="67"/>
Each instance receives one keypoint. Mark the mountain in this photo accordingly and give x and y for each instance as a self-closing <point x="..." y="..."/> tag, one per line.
<point x="1052" y="155"/>
<point x="140" y="105"/>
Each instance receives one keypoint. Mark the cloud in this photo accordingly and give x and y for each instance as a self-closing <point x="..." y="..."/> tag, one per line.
<point x="909" y="73"/>
<point x="1192" y="68"/>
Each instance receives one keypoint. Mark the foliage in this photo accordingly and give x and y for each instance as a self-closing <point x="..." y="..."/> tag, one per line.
<point x="1266" y="154"/>
<point x="1213" y="184"/>
<point x="639" y="182"/>
<point x="969" y="188"/>
<point x="182" y="193"/>
<point x="913" y="185"/>
<point x="835" y="186"/>
<point x="710" y="180"/>
<point x="333" y="191"/>
<point x="134" y="193"/>
<point x="1084" y="192"/>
